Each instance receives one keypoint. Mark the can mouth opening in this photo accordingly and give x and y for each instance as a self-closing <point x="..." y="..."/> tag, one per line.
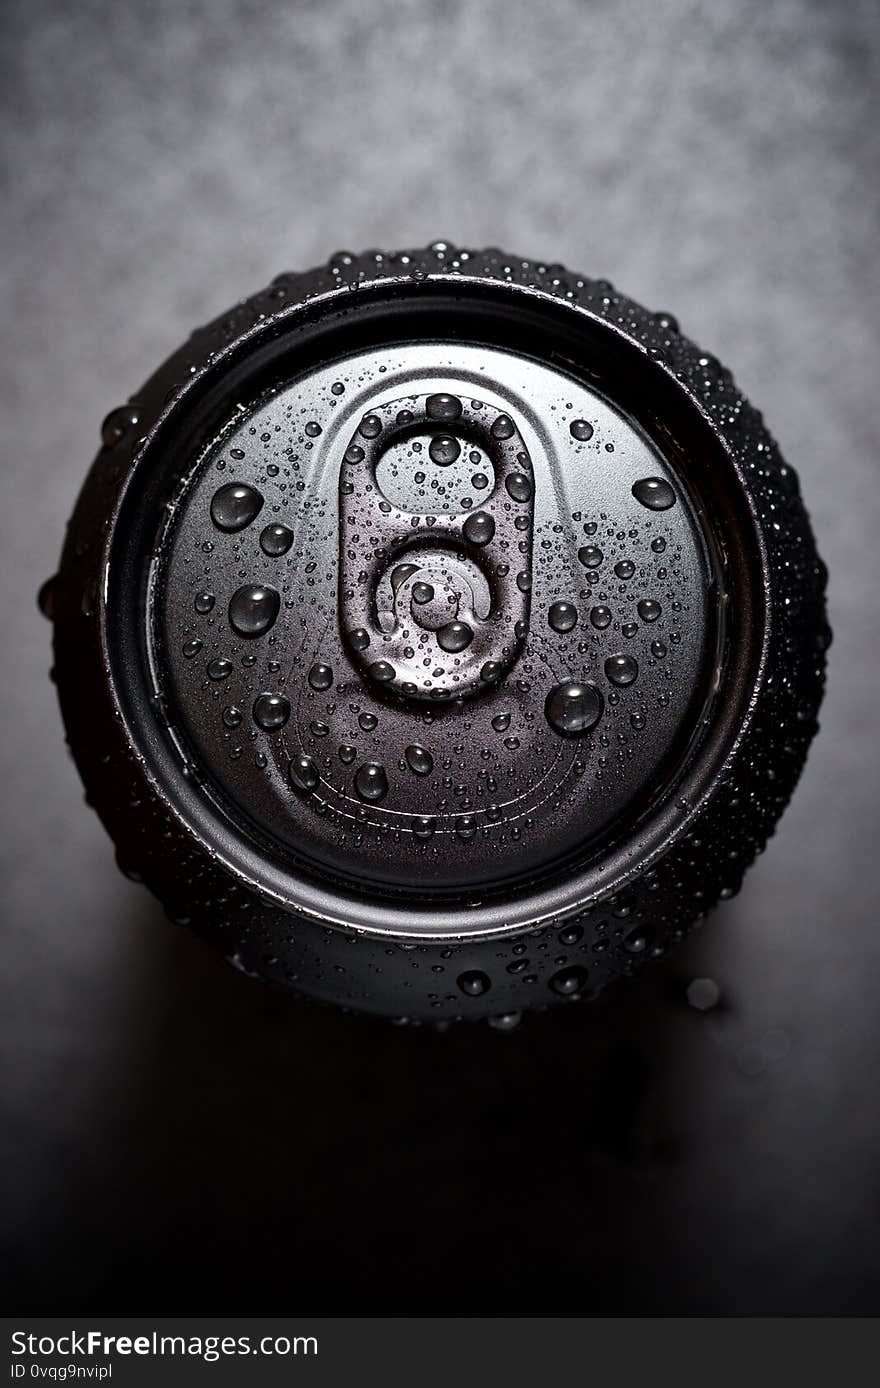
<point x="585" y="354"/>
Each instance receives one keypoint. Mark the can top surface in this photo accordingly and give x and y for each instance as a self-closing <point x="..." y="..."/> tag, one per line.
<point x="435" y="616"/>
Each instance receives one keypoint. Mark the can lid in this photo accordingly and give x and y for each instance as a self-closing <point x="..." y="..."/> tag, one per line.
<point x="436" y="616"/>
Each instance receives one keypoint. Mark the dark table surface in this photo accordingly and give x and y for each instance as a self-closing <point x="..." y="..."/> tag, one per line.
<point x="171" y="1131"/>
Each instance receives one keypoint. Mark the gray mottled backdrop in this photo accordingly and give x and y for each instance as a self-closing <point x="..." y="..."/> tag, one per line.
<point x="168" y="1126"/>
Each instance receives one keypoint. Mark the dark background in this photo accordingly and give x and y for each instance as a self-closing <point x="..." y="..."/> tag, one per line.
<point x="176" y="1138"/>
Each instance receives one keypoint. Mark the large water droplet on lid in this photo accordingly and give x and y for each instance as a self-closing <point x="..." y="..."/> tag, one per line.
<point x="419" y="760"/>
<point x="371" y="782"/>
<point x="303" y="773"/>
<point x="444" y="449"/>
<point x="574" y="708"/>
<point x="219" y="669"/>
<point x="454" y="637"/>
<point x="600" y="617"/>
<point x="655" y="493"/>
<point x="371" y="426"/>
<point x="359" y="638"/>
<point x="203" y="602"/>
<point x="276" y="540"/>
<point x="313" y="429"/>
<point x="253" y="609"/>
<point x="590" y="556"/>
<point x="624" y="568"/>
<point x="519" y="486"/>
<point x="621" y="669"/>
<point x="271" y="712"/>
<point x="320" y="676"/>
<point x="443" y="406"/>
<point x="649" y="610"/>
<point x="581" y="430"/>
<point x="422" y="593"/>
<point x="503" y="427"/>
<point x="382" y="671"/>
<point x="235" y="505"/>
<point x="479" y="528"/>
<point x="501" y="722"/>
<point x="400" y="573"/>
<point x="562" y="616"/>
<point x="474" y="983"/>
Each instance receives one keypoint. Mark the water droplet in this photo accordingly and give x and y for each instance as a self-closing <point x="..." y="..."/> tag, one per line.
<point x="359" y="639"/>
<point x="569" y="981"/>
<point x="203" y="602"/>
<point x="303" y="773"/>
<point x="354" y="453"/>
<point x="367" y="721"/>
<point x="382" y="671"/>
<point x="562" y="616"/>
<point x="313" y="429"/>
<point x="444" y="449"/>
<point x="191" y="649"/>
<point x="655" y="493"/>
<point x="117" y="425"/>
<point x="219" y="669"/>
<point x="600" y="617"/>
<point x="658" y="650"/>
<point x="276" y="540"/>
<point x="235" y="505"/>
<point x="581" y="430"/>
<point x="501" y="722"/>
<point x="46" y="598"/>
<point x="454" y="637"/>
<point x="320" y="676"/>
<point x="621" y="669"/>
<point x="424" y="826"/>
<point x="573" y="709"/>
<point x="232" y="716"/>
<point x="479" y="528"/>
<point x="337" y="388"/>
<point x="422" y="593"/>
<point x="624" y="568"/>
<point x="505" y="1021"/>
<point x="519" y="486"/>
<point x="649" y="610"/>
<point x="443" y="407"/>
<point x="419" y="760"/>
<point x="474" y="983"/>
<point x="371" y="782"/>
<point x="703" y="994"/>
<point x="253" y="609"/>
<point x="371" y="426"/>
<point x="503" y="427"/>
<point x="271" y="712"/>
<point x="590" y="556"/>
<point x="658" y="545"/>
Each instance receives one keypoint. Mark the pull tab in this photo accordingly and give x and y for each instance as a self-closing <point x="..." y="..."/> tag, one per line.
<point x="435" y="605"/>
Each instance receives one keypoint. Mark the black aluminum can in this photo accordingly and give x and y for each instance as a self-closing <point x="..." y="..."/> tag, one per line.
<point x="439" y="634"/>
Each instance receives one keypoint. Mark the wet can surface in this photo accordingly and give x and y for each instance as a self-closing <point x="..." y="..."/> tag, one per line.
<point x="440" y="634"/>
